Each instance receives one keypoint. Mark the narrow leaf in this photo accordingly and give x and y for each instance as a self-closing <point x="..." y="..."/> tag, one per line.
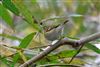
<point x="4" y="14"/>
<point x="9" y="5"/>
<point x="66" y="53"/>
<point x="25" y="42"/>
<point x="22" y="55"/>
<point x="10" y="37"/>
<point x="92" y="47"/>
<point x="5" y="61"/>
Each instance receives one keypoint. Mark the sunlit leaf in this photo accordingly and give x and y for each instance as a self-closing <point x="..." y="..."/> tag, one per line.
<point x="66" y="53"/>
<point x="92" y="47"/>
<point x="25" y="42"/>
<point x="4" y="14"/>
<point x="9" y="5"/>
<point x="53" y="59"/>
<point x="22" y="55"/>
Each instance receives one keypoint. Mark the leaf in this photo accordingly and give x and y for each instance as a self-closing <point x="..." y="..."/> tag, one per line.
<point x="4" y="14"/>
<point x="22" y="55"/>
<point x="92" y="47"/>
<point x="10" y="37"/>
<point x="49" y="59"/>
<point x="53" y="58"/>
<point x="24" y="43"/>
<point x="5" y="61"/>
<point x="26" y="13"/>
<point x="66" y="53"/>
<point x="9" y="5"/>
<point x="76" y="61"/>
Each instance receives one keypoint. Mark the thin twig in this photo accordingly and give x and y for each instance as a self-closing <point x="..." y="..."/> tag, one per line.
<point x="68" y="65"/>
<point x="76" y="54"/>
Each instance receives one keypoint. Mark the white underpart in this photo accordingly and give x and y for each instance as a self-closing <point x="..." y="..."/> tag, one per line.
<point x="55" y="41"/>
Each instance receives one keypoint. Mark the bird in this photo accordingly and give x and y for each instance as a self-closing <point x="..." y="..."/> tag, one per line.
<point x="51" y="30"/>
<point x="52" y="33"/>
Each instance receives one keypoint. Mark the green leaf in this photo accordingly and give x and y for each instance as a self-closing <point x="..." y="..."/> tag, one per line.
<point x="24" y="43"/>
<point x="10" y="37"/>
<point x="26" y="13"/>
<point x="4" y="14"/>
<point x="49" y="59"/>
<point x="5" y="61"/>
<point x="66" y="53"/>
<point x="53" y="59"/>
<point x="9" y="5"/>
<point x="22" y="55"/>
<point x="92" y="47"/>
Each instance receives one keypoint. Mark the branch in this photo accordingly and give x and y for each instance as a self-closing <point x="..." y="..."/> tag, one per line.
<point x="90" y="38"/>
<point x="74" y="43"/>
<point x="67" y="65"/>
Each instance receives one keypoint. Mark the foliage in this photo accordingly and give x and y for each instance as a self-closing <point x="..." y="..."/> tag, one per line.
<point x="34" y="12"/>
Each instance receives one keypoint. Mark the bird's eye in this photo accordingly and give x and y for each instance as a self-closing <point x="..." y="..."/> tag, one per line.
<point x="41" y="23"/>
